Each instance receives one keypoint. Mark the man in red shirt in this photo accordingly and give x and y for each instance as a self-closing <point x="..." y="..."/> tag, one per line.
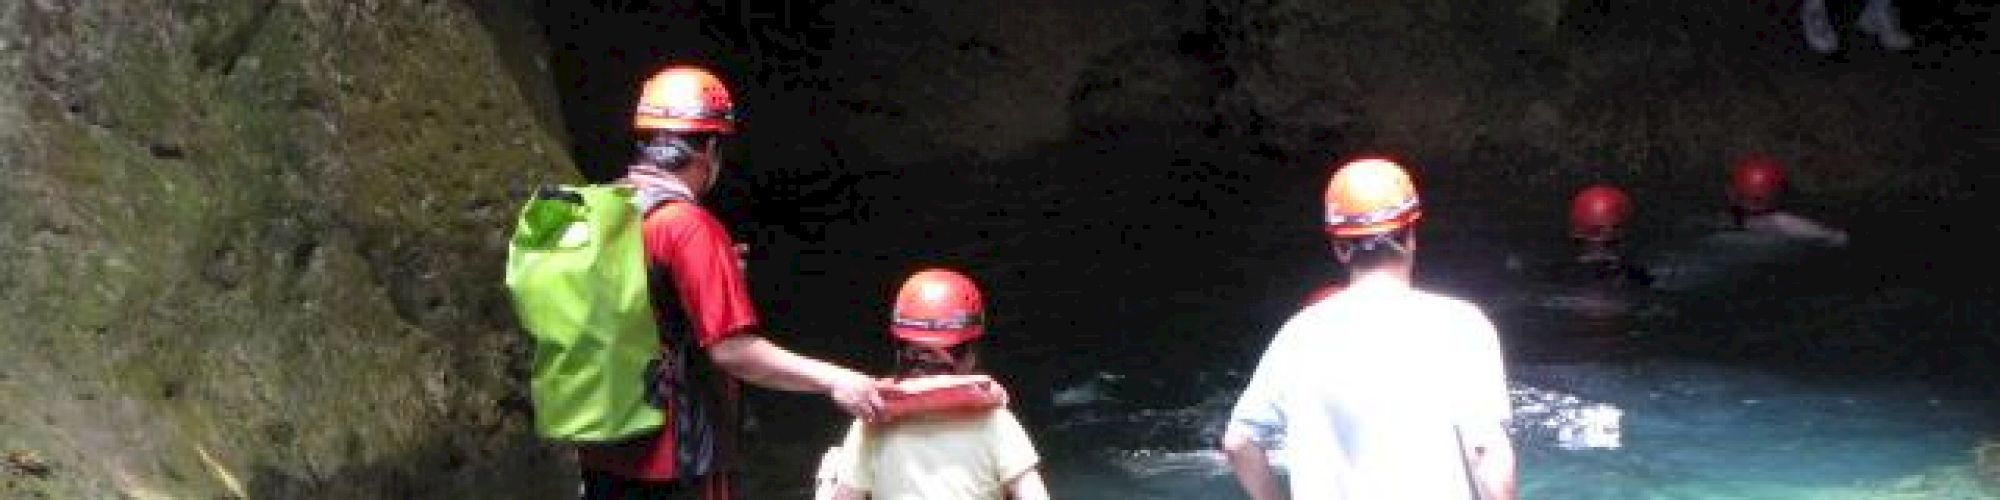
<point x="703" y="303"/>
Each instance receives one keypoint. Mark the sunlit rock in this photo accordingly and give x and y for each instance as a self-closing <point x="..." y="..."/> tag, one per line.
<point x="254" y="248"/>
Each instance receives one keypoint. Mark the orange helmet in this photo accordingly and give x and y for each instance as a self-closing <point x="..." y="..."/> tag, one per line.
<point x="1598" y="213"/>
<point x="1755" y="185"/>
<point x="938" y="308"/>
<point x="685" y="99"/>
<point x="1370" y="196"/>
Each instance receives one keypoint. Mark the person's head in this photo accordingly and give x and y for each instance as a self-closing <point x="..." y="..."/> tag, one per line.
<point x="938" y="316"/>
<point x="1756" y="184"/>
<point x="682" y="112"/>
<point x="1371" y="215"/>
<point x="1597" y="216"/>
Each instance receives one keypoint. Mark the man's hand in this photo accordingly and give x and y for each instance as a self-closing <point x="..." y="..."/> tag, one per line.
<point x="1252" y="466"/>
<point x="756" y="360"/>
<point x="999" y="393"/>
<point x="1489" y="458"/>
<point x="939" y="395"/>
<point x="858" y="396"/>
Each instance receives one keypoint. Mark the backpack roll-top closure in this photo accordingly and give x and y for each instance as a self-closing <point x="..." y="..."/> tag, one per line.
<point x="577" y="274"/>
<point x="550" y="220"/>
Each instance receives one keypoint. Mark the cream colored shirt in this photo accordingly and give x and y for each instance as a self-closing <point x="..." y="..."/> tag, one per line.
<point x="937" y="458"/>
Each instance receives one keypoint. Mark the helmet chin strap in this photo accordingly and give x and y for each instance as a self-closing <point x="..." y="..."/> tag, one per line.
<point x="714" y="167"/>
<point x="666" y="151"/>
<point x="930" y="360"/>
<point x="675" y="153"/>
<point x="1345" y="248"/>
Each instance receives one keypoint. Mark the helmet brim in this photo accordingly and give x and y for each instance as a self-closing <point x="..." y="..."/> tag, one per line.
<point x="1364" y="230"/>
<point x="684" y="125"/>
<point x="936" y="338"/>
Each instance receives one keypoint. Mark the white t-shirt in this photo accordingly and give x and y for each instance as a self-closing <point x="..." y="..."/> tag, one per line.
<point x="1365" y="392"/>
<point x="935" y="458"/>
<point x="1793" y="226"/>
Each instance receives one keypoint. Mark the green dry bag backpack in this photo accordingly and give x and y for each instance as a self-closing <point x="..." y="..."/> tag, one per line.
<point x="576" y="270"/>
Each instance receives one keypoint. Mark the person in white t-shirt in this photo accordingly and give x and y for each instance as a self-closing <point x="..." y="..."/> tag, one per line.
<point x="1755" y="186"/>
<point x="1381" y="390"/>
<point x="976" y="453"/>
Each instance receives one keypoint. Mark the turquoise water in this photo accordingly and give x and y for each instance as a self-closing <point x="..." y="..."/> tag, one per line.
<point x="1709" y="431"/>
<point x="1725" y="392"/>
<point x="1125" y="327"/>
<point x="1695" y="431"/>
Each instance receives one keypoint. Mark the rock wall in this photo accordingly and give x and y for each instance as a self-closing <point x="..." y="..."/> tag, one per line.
<point x="254" y="248"/>
<point x="920" y="81"/>
<point x="1541" y="90"/>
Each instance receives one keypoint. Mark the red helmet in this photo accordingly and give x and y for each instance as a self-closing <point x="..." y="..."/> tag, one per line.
<point x="938" y="308"/>
<point x="685" y="99"/>
<point x="1755" y="185"/>
<point x="1370" y="196"/>
<point x="1598" y="213"/>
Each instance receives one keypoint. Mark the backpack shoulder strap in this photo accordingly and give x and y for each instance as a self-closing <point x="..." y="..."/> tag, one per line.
<point x="649" y="199"/>
<point x="652" y="195"/>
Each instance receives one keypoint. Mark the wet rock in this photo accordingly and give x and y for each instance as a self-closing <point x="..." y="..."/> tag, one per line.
<point x="929" y="81"/>
<point x="27" y="463"/>
<point x="1599" y="90"/>
<point x="1146" y="82"/>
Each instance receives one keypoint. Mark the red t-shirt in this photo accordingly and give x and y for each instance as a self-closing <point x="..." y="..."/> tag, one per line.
<point x="698" y="255"/>
<point x="1322" y="293"/>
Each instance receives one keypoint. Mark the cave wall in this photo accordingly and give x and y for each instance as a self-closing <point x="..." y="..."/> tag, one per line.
<point x="253" y="247"/>
<point x="842" y="100"/>
<point x="1539" y="91"/>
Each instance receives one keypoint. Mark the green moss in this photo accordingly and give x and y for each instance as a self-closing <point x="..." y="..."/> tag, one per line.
<point x="243" y="239"/>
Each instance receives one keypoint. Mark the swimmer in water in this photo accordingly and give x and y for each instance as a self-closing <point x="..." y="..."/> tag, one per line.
<point x="1598" y="217"/>
<point x="1755" y="187"/>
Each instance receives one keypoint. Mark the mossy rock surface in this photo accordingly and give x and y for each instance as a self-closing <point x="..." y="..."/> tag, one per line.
<point x="255" y="248"/>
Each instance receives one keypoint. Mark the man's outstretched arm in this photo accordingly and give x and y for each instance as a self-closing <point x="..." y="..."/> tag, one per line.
<point x="757" y="360"/>
<point x="1489" y="456"/>
<point x="1253" y="468"/>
